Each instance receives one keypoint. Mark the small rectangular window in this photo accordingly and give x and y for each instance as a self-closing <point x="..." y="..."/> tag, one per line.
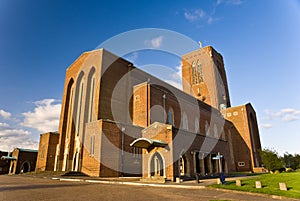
<point x="137" y="152"/>
<point x="92" y="145"/>
<point x="235" y="113"/>
<point x="241" y="164"/>
<point x="229" y="114"/>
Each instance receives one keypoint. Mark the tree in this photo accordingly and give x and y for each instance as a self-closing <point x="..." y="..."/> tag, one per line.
<point x="271" y="160"/>
<point x="297" y="161"/>
<point x="291" y="161"/>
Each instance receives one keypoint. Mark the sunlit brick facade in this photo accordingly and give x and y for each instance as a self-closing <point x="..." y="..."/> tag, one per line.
<point x="117" y="120"/>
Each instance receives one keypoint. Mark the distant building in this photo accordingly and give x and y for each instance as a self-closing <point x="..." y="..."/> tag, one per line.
<point x="117" y="120"/>
<point x="46" y="155"/>
<point x="21" y="160"/>
<point x="4" y="164"/>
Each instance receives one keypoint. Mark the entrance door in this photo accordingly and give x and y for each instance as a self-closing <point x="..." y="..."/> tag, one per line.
<point x="157" y="168"/>
<point x="182" y="166"/>
<point x="75" y="162"/>
<point x="25" y="167"/>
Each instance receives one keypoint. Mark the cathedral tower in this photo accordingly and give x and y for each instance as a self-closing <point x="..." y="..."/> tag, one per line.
<point x="204" y="76"/>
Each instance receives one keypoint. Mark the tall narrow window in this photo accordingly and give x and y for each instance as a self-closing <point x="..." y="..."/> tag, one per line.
<point x="216" y="134"/>
<point x="184" y="121"/>
<point x="196" y="125"/>
<point x="171" y="116"/>
<point x="91" y="99"/>
<point x="199" y="69"/>
<point x="206" y="128"/>
<point x="79" y="107"/>
<point x="182" y="168"/>
<point x="92" y="145"/>
<point x="69" y="125"/>
<point x="137" y="152"/>
<point x="194" y="72"/>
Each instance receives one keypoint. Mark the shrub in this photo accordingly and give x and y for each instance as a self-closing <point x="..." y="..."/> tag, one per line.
<point x="276" y="172"/>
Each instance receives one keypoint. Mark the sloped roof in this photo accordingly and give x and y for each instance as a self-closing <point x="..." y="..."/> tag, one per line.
<point x="147" y="143"/>
<point x="8" y="158"/>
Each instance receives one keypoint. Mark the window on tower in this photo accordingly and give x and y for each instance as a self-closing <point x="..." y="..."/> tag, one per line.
<point x="194" y="72"/>
<point x="199" y="69"/>
<point x="171" y="116"/>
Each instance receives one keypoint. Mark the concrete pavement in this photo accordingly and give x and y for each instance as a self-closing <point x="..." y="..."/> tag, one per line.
<point x="31" y="188"/>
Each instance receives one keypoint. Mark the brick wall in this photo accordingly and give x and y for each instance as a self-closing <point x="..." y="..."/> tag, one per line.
<point x="47" y="150"/>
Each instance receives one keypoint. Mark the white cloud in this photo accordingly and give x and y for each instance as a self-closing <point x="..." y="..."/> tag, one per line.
<point x="10" y="132"/>
<point x="266" y="126"/>
<point x="219" y="2"/>
<point x="9" y="143"/>
<point x="174" y="84"/>
<point x="3" y="125"/>
<point x="176" y="78"/>
<point x="155" y="42"/>
<point x="193" y="15"/>
<point x="11" y="137"/>
<point x="235" y="2"/>
<point x="132" y="57"/>
<point x="208" y="16"/>
<point x="44" y="117"/>
<point x="290" y="117"/>
<point x="169" y="75"/>
<point x="210" y="20"/>
<point x="229" y="2"/>
<point x="198" y="14"/>
<point x="5" y="114"/>
<point x="286" y="114"/>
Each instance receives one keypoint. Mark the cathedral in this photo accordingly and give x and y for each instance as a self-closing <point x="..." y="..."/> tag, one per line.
<point x="117" y="120"/>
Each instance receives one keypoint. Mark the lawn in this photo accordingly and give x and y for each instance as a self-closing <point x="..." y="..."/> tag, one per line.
<point x="270" y="184"/>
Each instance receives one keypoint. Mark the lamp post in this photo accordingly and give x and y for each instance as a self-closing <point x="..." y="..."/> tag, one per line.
<point x="219" y="157"/>
<point x="220" y="164"/>
<point x="164" y="104"/>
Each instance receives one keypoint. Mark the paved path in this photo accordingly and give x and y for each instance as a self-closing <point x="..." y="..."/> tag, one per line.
<point x="29" y="188"/>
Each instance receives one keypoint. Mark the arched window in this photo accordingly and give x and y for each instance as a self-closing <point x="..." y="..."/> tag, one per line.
<point x="199" y="69"/>
<point x="216" y="135"/>
<point x="69" y="126"/>
<point x="206" y="128"/>
<point x="90" y="94"/>
<point x="182" y="166"/>
<point x="79" y="103"/>
<point x="194" y="72"/>
<point x="171" y="116"/>
<point x="68" y="110"/>
<point x="184" y="121"/>
<point x="196" y="125"/>
<point x="157" y="165"/>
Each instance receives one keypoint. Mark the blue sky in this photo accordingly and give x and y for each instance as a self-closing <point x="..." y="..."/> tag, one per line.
<point x="259" y="41"/>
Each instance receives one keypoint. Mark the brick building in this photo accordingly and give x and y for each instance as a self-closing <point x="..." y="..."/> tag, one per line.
<point x="4" y="163"/>
<point x="21" y="160"/>
<point x="117" y="120"/>
<point x="46" y="155"/>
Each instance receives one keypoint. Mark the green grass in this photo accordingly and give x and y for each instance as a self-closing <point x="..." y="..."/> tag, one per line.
<point x="270" y="184"/>
<point x="44" y="173"/>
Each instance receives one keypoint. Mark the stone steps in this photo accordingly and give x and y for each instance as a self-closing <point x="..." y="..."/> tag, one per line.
<point x="74" y="174"/>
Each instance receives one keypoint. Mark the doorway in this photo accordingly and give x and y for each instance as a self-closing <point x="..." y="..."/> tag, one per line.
<point x="157" y="165"/>
<point x="25" y="167"/>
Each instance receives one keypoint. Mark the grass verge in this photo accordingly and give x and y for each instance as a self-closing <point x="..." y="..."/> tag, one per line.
<point x="270" y="184"/>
